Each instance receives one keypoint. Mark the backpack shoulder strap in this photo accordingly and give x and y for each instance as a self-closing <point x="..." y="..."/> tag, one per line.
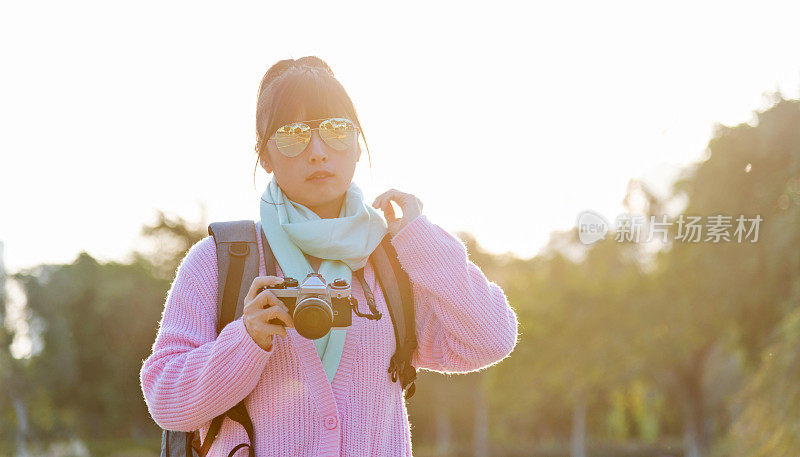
<point x="269" y="257"/>
<point x="396" y="287"/>
<point x="237" y="266"/>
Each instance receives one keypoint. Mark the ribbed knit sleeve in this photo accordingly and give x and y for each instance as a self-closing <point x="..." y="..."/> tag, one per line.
<point x="192" y="375"/>
<point x="463" y="321"/>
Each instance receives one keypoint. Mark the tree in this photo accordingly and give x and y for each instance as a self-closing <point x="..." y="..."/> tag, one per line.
<point x="727" y="297"/>
<point x="769" y="421"/>
<point x="170" y="238"/>
<point x="98" y="323"/>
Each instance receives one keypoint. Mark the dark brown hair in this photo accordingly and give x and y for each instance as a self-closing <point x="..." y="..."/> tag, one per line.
<point x="291" y="86"/>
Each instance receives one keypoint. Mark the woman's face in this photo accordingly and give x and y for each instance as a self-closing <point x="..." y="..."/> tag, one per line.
<point x="293" y="174"/>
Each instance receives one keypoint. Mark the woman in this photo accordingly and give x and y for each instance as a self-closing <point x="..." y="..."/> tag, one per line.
<point x="331" y="396"/>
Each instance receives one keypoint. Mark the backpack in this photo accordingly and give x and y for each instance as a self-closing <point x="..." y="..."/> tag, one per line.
<point x="238" y="265"/>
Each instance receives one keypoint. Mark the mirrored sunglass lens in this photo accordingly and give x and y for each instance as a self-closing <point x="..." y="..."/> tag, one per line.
<point x="291" y="139"/>
<point x="338" y="133"/>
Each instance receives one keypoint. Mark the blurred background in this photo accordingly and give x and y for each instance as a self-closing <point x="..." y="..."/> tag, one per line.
<point x="128" y="127"/>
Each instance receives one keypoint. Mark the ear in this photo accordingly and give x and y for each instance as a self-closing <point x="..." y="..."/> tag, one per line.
<point x="358" y="154"/>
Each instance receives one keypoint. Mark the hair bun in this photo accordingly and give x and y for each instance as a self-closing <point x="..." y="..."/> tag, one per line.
<point x="314" y="62"/>
<point x="276" y="70"/>
<point x="281" y="66"/>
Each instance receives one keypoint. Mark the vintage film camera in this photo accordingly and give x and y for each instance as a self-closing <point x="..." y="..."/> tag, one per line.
<point x="315" y="306"/>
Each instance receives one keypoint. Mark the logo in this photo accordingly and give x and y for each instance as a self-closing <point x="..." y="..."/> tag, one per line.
<point x="592" y="227"/>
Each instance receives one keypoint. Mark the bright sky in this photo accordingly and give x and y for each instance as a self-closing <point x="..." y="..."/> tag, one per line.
<point x="526" y="114"/>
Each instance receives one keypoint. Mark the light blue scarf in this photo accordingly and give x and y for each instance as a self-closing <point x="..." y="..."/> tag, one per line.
<point x="344" y="243"/>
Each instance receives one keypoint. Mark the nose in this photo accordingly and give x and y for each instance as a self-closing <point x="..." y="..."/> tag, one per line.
<point x="316" y="149"/>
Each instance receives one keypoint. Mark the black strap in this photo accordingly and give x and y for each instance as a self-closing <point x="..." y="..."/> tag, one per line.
<point x="239" y="414"/>
<point x="367" y="291"/>
<point x="374" y="314"/>
<point x="396" y="287"/>
<point x="239" y="446"/>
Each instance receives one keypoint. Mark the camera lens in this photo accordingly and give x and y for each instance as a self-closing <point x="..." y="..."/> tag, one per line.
<point x="313" y="318"/>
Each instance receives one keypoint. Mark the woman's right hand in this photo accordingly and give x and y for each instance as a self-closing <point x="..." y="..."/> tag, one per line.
<point x="260" y="308"/>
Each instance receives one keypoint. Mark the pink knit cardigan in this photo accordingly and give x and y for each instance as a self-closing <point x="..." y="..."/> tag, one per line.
<point x="463" y="323"/>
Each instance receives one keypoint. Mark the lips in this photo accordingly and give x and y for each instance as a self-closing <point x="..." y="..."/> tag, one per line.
<point x="319" y="175"/>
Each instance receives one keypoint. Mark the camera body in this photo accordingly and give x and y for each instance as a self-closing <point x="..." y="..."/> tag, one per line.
<point x="315" y="306"/>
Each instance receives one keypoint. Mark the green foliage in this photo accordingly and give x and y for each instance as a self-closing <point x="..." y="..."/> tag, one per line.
<point x="100" y="322"/>
<point x="97" y="324"/>
<point x="769" y="424"/>
<point x="170" y="237"/>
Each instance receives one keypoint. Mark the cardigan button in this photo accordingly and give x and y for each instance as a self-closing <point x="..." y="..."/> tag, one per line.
<point x="331" y="422"/>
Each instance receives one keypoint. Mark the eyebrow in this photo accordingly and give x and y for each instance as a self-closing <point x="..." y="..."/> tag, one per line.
<point x="314" y="128"/>
<point x="321" y="119"/>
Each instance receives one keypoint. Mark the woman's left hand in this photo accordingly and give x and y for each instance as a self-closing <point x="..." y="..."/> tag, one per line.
<point x="410" y="205"/>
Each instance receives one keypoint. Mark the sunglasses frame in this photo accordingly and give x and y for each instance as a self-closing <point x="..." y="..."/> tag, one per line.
<point x="311" y="129"/>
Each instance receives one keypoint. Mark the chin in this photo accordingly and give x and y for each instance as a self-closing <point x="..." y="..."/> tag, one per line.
<point x="323" y="194"/>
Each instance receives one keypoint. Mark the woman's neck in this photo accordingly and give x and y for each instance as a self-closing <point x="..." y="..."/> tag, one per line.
<point x="330" y="209"/>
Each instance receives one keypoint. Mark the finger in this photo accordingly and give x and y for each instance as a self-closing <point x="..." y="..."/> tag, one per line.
<point x="279" y="314"/>
<point x="259" y="282"/>
<point x="276" y="329"/>
<point x="384" y="196"/>
<point x="378" y="199"/>
<point x="398" y="196"/>
<point x="274" y="316"/>
<point x="401" y="198"/>
<point x="380" y="196"/>
<point x="388" y="211"/>
<point x="266" y="299"/>
<point x="263" y="330"/>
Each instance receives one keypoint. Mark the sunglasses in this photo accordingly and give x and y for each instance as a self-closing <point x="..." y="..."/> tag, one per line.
<point x="337" y="132"/>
